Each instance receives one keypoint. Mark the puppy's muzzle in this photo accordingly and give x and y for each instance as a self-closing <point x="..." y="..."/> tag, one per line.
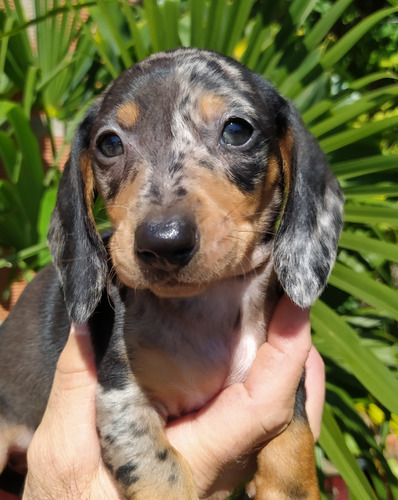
<point x="166" y="245"/>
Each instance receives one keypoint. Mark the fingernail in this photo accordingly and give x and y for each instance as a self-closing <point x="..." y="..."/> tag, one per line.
<point x="80" y="329"/>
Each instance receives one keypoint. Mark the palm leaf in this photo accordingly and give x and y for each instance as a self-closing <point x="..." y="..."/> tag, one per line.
<point x="335" y="338"/>
<point x="346" y="43"/>
<point x="332" y="441"/>
<point x="365" y="244"/>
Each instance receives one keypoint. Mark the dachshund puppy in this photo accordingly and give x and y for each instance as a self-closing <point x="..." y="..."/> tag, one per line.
<point x="220" y="200"/>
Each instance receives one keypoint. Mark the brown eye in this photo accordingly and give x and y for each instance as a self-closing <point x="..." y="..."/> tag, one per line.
<point x="236" y="132"/>
<point x="110" y="145"/>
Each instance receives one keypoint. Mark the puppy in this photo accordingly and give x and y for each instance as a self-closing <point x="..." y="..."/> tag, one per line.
<point x="219" y="199"/>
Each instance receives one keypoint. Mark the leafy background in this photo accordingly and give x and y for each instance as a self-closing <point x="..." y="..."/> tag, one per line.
<point x="338" y="61"/>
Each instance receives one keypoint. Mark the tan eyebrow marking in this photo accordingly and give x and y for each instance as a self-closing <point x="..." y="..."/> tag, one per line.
<point x="127" y="115"/>
<point x="211" y="106"/>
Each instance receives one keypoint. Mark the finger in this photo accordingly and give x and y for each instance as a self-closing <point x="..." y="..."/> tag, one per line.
<point x="69" y="419"/>
<point x="289" y="323"/>
<point x="315" y="388"/>
<point x="284" y="354"/>
<point x="75" y="376"/>
<point x="77" y="356"/>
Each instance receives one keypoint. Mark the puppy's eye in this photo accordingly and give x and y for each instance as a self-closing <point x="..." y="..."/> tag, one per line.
<point x="236" y="132"/>
<point x="110" y="145"/>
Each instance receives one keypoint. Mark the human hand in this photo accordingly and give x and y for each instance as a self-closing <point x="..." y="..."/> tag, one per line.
<point x="64" y="459"/>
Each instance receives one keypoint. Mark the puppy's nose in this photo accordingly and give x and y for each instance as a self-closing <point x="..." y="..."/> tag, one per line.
<point x="166" y="245"/>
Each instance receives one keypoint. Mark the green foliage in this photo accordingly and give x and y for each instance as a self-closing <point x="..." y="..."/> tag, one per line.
<point x="25" y="205"/>
<point x="378" y="48"/>
<point x="336" y="60"/>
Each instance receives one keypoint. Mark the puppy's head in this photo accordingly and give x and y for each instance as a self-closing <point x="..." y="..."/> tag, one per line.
<point x="197" y="160"/>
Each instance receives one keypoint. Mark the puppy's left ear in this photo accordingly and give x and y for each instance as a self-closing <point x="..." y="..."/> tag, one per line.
<point x="306" y="241"/>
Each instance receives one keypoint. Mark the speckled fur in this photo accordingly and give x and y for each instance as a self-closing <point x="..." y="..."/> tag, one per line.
<point x="168" y="338"/>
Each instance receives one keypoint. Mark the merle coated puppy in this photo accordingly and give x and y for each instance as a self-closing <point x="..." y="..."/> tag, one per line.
<point x="219" y="199"/>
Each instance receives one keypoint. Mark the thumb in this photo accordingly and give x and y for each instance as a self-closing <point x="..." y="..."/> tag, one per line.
<point x="69" y="418"/>
<point x="72" y="398"/>
<point x="76" y="367"/>
<point x="64" y="458"/>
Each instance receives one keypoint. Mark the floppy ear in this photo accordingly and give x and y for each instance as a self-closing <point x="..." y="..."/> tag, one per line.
<point x="75" y="244"/>
<point x="306" y="240"/>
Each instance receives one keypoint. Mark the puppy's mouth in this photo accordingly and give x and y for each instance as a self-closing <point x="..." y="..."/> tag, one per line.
<point x="172" y="281"/>
<point x="194" y="280"/>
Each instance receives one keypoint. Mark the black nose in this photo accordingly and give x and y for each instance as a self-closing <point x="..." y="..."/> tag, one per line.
<point x="166" y="245"/>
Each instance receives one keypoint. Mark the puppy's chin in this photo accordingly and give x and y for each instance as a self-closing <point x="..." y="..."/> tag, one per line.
<point x="166" y="289"/>
<point x="177" y="291"/>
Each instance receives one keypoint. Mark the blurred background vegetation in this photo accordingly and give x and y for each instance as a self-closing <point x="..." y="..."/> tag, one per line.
<point x="338" y="61"/>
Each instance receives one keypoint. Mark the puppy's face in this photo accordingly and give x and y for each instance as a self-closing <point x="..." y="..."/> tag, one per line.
<point x="185" y="153"/>
<point x="195" y="157"/>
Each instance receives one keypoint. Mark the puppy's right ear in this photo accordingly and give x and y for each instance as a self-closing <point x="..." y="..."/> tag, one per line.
<point x="75" y="244"/>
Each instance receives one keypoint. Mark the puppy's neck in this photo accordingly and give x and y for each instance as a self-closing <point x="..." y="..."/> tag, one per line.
<point x="185" y="350"/>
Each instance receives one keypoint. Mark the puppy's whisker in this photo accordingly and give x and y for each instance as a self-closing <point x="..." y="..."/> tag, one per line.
<point x="227" y="216"/>
<point x="116" y="205"/>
